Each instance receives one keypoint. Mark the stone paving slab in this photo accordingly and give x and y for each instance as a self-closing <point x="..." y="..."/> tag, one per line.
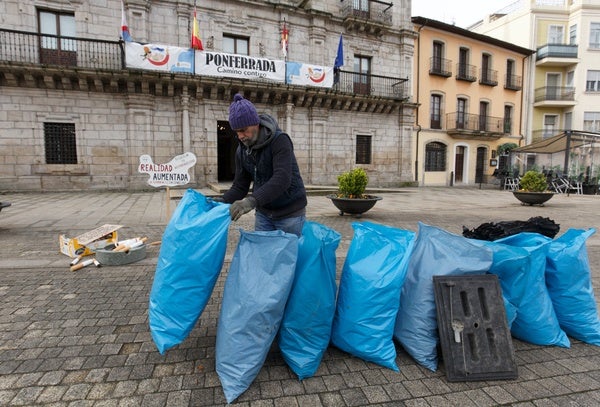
<point x="82" y="338"/>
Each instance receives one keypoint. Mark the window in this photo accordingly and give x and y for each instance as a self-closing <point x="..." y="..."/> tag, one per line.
<point x="436" y="112"/>
<point x="438" y="55"/>
<point x="463" y="61"/>
<point x="362" y="75"/>
<point x="595" y="35"/>
<point x="550" y="121"/>
<point x="573" y="34"/>
<point x="508" y="113"/>
<point x="487" y="75"/>
<point x="59" y="141"/>
<point x="435" y="156"/>
<point x="556" y="34"/>
<point x="591" y="121"/>
<point x="592" y="83"/>
<point x="54" y="49"/>
<point x="363" y="149"/>
<point x="511" y="80"/>
<point x="461" y="113"/>
<point x="483" y="116"/>
<point x="235" y="45"/>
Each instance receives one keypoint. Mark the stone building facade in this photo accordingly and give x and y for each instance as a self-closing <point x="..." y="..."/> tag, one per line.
<point x="73" y="116"/>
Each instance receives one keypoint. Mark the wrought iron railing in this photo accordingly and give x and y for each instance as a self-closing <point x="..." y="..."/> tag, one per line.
<point x="555" y="93"/>
<point x="440" y="66"/>
<point x="371" y="10"/>
<point x="513" y="82"/>
<point x="466" y="72"/>
<point x="556" y="51"/>
<point x="371" y="85"/>
<point x="458" y="121"/>
<point x="46" y="49"/>
<point x="43" y="49"/>
<point x="488" y="77"/>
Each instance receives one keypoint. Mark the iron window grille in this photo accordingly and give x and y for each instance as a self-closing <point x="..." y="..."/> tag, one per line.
<point x="60" y="143"/>
<point x="363" y="149"/>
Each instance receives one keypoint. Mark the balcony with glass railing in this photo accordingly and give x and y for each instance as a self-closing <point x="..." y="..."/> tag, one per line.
<point x="556" y="55"/>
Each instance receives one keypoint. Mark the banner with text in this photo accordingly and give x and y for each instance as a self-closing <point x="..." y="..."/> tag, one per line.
<point x="298" y="73"/>
<point x="158" y="57"/>
<point x="238" y="66"/>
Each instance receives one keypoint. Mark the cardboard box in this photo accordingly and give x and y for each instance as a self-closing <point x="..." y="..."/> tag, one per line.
<point x="88" y="242"/>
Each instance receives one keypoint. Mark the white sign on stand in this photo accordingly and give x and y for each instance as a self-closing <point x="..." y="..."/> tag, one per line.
<point x="171" y="174"/>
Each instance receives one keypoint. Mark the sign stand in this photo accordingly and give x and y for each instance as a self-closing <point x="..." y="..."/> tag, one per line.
<point x="168" y="191"/>
<point x="173" y="173"/>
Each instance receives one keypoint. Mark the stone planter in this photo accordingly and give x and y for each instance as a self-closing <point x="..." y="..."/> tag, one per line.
<point x="533" y="198"/>
<point x="354" y="206"/>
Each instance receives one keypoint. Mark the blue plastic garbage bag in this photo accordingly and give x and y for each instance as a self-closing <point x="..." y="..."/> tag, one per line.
<point x="569" y="282"/>
<point x="512" y="265"/>
<point x="190" y="260"/>
<point x="256" y="290"/>
<point x="536" y="320"/>
<point x="372" y="276"/>
<point x="306" y="326"/>
<point x="435" y="253"/>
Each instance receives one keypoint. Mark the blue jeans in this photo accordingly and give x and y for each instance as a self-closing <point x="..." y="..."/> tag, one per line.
<point x="289" y="225"/>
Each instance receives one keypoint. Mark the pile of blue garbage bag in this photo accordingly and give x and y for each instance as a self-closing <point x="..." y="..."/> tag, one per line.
<point x="282" y="289"/>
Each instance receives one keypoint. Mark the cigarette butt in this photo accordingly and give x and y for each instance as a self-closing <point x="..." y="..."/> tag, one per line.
<point x="82" y="265"/>
<point x="76" y="260"/>
<point x="96" y="263"/>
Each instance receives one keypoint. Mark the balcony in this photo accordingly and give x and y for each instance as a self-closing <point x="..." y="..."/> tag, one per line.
<point x="466" y="72"/>
<point x="554" y="96"/>
<point x="369" y="16"/>
<point x="513" y="82"/>
<point x="372" y="85"/>
<point x="44" y="61"/>
<point x="556" y="55"/>
<point x="488" y="77"/>
<point x="440" y="67"/>
<point x="472" y="126"/>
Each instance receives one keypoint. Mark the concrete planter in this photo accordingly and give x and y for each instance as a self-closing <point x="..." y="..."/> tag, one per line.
<point x="533" y="198"/>
<point x="354" y="206"/>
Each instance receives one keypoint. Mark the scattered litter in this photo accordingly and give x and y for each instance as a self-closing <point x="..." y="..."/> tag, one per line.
<point x="88" y="242"/>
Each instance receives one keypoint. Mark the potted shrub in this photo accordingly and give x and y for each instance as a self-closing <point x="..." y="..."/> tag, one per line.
<point x="533" y="189"/>
<point x="350" y="197"/>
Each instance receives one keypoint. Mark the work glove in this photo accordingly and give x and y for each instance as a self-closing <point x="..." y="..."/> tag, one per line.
<point x="238" y="208"/>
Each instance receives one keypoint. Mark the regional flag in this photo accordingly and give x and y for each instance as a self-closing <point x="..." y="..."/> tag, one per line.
<point x="284" y="40"/>
<point x="196" y="41"/>
<point x="125" y="36"/>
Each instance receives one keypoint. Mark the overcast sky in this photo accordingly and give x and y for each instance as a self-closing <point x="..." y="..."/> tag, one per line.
<point x="459" y="12"/>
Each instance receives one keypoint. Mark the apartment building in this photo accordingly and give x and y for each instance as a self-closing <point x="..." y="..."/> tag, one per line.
<point x="469" y="92"/>
<point x="75" y="113"/>
<point x="564" y="80"/>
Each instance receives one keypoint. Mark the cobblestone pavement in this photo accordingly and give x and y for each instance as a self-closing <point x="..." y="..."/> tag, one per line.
<point x="82" y="338"/>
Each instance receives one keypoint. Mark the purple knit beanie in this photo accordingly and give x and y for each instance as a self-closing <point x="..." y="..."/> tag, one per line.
<point x="242" y="113"/>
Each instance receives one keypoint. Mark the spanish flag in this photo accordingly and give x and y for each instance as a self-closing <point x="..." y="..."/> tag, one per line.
<point x="196" y="41"/>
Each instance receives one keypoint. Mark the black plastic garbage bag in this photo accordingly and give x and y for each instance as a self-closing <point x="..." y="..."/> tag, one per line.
<point x="493" y="231"/>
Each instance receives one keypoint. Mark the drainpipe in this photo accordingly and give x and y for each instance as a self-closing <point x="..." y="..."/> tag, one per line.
<point x="418" y="99"/>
